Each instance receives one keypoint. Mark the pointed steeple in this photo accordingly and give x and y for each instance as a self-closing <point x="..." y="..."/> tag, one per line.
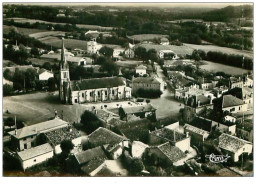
<point x="64" y="64"/>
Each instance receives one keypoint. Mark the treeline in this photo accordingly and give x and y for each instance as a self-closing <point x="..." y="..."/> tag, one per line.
<point x="230" y="59"/>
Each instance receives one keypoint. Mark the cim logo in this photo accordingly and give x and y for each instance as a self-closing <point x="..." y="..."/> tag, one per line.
<point x="218" y="158"/>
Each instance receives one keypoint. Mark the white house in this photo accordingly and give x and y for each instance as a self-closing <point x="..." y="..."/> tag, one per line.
<point x="164" y="41"/>
<point x="93" y="47"/>
<point x="234" y="146"/>
<point x="44" y="74"/>
<point x="141" y="70"/>
<point x="36" y="155"/>
<point x="233" y="104"/>
<point x="117" y="52"/>
<point x="164" y="53"/>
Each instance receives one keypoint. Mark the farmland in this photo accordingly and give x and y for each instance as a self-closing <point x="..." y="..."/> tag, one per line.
<point x="146" y="37"/>
<point x="226" y="50"/>
<point x="24" y="31"/>
<point x="40" y="35"/>
<point x="216" y="67"/>
<point x="82" y="26"/>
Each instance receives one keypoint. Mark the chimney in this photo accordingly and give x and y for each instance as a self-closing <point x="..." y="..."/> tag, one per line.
<point x="174" y="138"/>
<point x="187" y="134"/>
<point x="15" y="132"/>
<point x="198" y="103"/>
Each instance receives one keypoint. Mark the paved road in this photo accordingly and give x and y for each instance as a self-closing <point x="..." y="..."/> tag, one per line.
<point x="166" y="105"/>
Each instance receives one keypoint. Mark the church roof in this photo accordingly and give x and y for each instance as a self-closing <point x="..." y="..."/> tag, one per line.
<point x="97" y="83"/>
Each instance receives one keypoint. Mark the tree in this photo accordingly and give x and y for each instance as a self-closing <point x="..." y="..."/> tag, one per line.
<point x="7" y="89"/>
<point x="9" y="122"/>
<point x="47" y="66"/>
<point x="141" y="53"/>
<point x="66" y="146"/>
<point x="52" y="84"/>
<point x="196" y="56"/>
<point x="34" y="51"/>
<point x="106" y="51"/>
<point x="152" y="55"/>
<point x="90" y="121"/>
<point x="8" y="74"/>
<point x="136" y="165"/>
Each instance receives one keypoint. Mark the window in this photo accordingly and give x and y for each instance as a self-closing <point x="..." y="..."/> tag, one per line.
<point x="25" y="146"/>
<point x="34" y="160"/>
<point x="82" y="94"/>
<point x="239" y="107"/>
<point x="106" y="93"/>
<point x="98" y="93"/>
<point x="113" y="92"/>
<point x="75" y="100"/>
<point x="32" y="136"/>
<point x="91" y="94"/>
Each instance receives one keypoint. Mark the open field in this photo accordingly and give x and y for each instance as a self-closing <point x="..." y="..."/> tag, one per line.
<point x="40" y="35"/>
<point x="180" y="50"/>
<point x="146" y="37"/>
<point x="216" y="67"/>
<point x="69" y="43"/>
<point x="24" y="31"/>
<point x="226" y="50"/>
<point x="83" y="26"/>
<point x="128" y="63"/>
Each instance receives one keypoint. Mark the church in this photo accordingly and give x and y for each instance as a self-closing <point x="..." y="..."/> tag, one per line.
<point x="90" y="90"/>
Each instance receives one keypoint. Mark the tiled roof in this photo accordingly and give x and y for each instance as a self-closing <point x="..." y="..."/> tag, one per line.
<point x="141" y="67"/>
<point x="102" y="136"/>
<point x="230" y="101"/>
<point x="139" y="109"/>
<point x="196" y="130"/>
<point x="39" y="128"/>
<point x="105" y="114"/>
<point x="88" y="155"/>
<point x="172" y="152"/>
<point x="57" y="136"/>
<point x="36" y="151"/>
<point x="135" y="130"/>
<point x="202" y="123"/>
<point x="42" y="70"/>
<point x="115" y="122"/>
<point x="97" y="83"/>
<point x="92" y="165"/>
<point x="168" y="134"/>
<point x="147" y="80"/>
<point x="231" y="143"/>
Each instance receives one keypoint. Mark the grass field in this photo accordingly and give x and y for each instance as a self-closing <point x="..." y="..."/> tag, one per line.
<point x="83" y="26"/>
<point x="24" y="31"/>
<point x="40" y="35"/>
<point x="216" y="67"/>
<point x="69" y="43"/>
<point x="146" y="37"/>
<point x="226" y="50"/>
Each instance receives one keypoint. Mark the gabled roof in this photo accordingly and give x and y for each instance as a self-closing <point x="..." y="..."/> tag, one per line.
<point x="97" y="83"/>
<point x="39" y="128"/>
<point x="168" y="134"/>
<point x="141" y="67"/>
<point x="36" y="151"/>
<point x="196" y="130"/>
<point x="102" y="136"/>
<point x="230" y="101"/>
<point x="231" y="143"/>
<point x="86" y="156"/>
<point x="42" y="70"/>
<point x="171" y="152"/>
<point x="138" y="109"/>
<point x="147" y="80"/>
<point x="57" y="136"/>
<point x="93" y="164"/>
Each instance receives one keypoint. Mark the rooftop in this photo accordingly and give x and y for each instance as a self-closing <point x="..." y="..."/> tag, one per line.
<point x="102" y="136"/>
<point x="138" y="109"/>
<point x="196" y="130"/>
<point x="169" y="134"/>
<point x="194" y="101"/>
<point x="230" y="101"/>
<point x="172" y="152"/>
<point x="39" y="128"/>
<point x="202" y="123"/>
<point x="57" y="136"/>
<point x="92" y="165"/>
<point x="36" y="151"/>
<point x="141" y="67"/>
<point x="241" y="93"/>
<point x="42" y="70"/>
<point x="231" y="143"/>
<point x="97" y="83"/>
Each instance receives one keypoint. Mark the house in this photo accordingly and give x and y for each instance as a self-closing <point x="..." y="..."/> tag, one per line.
<point x="198" y="136"/>
<point x="93" y="47"/>
<point x="34" y="156"/>
<point x="112" y="168"/>
<point x="103" y="136"/>
<point x="141" y="70"/>
<point x="26" y="137"/>
<point x="149" y="83"/>
<point x="245" y="130"/>
<point x="229" y="103"/>
<point x="173" y="137"/>
<point x="166" y="154"/>
<point x="44" y="74"/>
<point x="248" y="81"/>
<point x="207" y="84"/>
<point x="92" y="34"/>
<point x="164" y="41"/>
<point x="244" y="93"/>
<point x="129" y="51"/>
<point x="235" y="82"/>
<point x="167" y="54"/>
<point x="142" y="111"/>
<point x="219" y="91"/>
<point x="105" y="116"/>
<point x="117" y="52"/>
<point x="234" y="146"/>
<point x="138" y="149"/>
<point x="87" y="162"/>
<point x="90" y="90"/>
<point x="195" y="105"/>
<point x="55" y="137"/>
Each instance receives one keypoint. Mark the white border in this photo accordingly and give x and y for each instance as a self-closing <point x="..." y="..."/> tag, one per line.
<point x="143" y="186"/>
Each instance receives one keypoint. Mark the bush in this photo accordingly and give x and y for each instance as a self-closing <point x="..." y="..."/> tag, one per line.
<point x="136" y="165"/>
<point x="90" y="121"/>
